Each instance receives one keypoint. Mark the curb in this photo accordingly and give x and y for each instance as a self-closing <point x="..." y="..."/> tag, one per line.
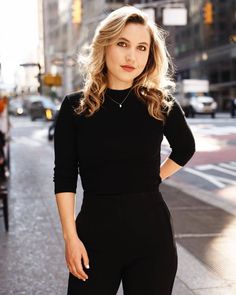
<point x="203" y="195"/>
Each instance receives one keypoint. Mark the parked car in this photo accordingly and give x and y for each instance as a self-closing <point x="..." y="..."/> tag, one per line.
<point x="42" y="107"/>
<point x="202" y="105"/>
<point x="17" y="108"/>
<point x="193" y="96"/>
<point x="51" y="128"/>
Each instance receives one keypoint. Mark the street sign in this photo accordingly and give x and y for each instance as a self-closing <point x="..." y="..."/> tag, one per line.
<point x="174" y="16"/>
<point x="50" y="80"/>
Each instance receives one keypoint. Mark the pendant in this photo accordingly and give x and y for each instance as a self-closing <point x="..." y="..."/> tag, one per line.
<point x="120" y="105"/>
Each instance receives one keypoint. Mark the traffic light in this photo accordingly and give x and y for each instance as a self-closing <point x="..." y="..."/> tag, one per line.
<point x="76" y="12"/>
<point x="208" y="13"/>
<point x="39" y="77"/>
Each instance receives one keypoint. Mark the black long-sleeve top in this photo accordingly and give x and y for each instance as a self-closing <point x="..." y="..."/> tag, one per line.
<point x="116" y="150"/>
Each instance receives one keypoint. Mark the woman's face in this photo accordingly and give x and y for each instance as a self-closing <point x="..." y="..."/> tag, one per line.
<point x="127" y="57"/>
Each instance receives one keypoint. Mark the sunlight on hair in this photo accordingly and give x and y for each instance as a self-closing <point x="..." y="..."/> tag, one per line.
<point x="153" y="86"/>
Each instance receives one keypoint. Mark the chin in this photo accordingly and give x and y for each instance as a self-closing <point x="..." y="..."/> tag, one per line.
<point x="128" y="80"/>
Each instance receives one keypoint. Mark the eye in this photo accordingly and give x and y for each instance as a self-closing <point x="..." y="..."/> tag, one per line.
<point x="142" y="48"/>
<point x="122" y="44"/>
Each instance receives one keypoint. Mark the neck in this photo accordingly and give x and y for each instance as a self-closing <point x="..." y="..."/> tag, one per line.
<point x="121" y="86"/>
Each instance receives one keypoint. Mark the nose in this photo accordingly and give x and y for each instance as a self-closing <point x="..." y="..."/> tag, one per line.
<point x="130" y="55"/>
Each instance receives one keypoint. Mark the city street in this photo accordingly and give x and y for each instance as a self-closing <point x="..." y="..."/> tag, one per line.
<point x="213" y="167"/>
<point x="115" y="51"/>
<point x="32" y="254"/>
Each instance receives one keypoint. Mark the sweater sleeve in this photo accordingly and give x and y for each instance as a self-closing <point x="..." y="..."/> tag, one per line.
<point x="179" y="136"/>
<point x="65" y="150"/>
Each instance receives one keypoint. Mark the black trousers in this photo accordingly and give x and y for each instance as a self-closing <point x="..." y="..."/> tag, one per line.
<point x="129" y="238"/>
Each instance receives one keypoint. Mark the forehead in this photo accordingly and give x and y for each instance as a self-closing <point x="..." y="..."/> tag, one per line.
<point x="136" y="33"/>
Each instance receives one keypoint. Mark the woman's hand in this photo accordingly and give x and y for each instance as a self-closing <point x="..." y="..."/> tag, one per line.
<point x="74" y="252"/>
<point x="74" y="248"/>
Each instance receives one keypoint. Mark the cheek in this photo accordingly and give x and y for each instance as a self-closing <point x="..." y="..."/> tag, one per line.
<point x="143" y="61"/>
<point x="111" y="56"/>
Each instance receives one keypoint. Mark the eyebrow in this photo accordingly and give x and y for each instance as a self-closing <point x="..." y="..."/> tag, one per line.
<point x="122" y="38"/>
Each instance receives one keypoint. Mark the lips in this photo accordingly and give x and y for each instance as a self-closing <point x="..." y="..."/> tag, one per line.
<point x="128" y="68"/>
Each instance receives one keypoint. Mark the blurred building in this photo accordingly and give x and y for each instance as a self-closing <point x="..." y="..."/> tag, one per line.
<point x="59" y="37"/>
<point x="41" y="36"/>
<point x="92" y="13"/>
<point x="68" y="26"/>
<point x="206" y="47"/>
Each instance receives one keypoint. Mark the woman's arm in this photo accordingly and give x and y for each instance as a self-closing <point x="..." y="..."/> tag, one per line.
<point x="181" y="140"/>
<point x="168" y="167"/>
<point x="65" y="178"/>
<point x="65" y="148"/>
<point x="74" y="248"/>
<point x="65" y="205"/>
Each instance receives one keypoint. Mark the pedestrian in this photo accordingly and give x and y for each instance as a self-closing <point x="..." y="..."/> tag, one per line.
<point x="51" y="128"/>
<point x="2" y="156"/>
<point x="233" y="107"/>
<point x="111" y="131"/>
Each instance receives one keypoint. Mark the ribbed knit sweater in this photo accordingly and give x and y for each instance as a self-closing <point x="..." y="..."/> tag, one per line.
<point x="116" y="150"/>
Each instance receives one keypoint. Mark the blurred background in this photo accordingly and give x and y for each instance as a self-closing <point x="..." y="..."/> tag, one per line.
<point x="39" y="52"/>
<point x="39" y="45"/>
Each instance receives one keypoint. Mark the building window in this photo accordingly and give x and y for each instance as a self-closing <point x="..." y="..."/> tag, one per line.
<point x="225" y="76"/>
<point x="222" y="26"/>
<point x="213" y="77"/>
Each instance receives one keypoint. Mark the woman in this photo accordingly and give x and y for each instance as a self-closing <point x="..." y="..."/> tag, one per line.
<point x="112" y="131"/>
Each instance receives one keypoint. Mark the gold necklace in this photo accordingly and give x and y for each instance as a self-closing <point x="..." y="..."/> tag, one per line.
<point x="120" y="103"/>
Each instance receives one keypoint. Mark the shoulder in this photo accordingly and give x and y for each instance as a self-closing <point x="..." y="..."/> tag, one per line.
<point x="74" y="98"/>
<point x="171" y="99"/>
<point x="174" y="105"/>
<point x="70" y="103"/>
<point x="174" y="112"/>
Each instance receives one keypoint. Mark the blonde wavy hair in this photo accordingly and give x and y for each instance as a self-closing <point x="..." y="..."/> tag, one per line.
<point x="153" y="86"/>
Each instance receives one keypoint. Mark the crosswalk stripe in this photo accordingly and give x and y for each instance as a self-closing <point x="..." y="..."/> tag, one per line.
<point x="228" y="166"/>
<point x="215" y="167"/>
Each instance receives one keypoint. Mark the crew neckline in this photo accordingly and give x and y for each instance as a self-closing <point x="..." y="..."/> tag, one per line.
<point x="118" y="90"/>
<point x="118" y="94"/>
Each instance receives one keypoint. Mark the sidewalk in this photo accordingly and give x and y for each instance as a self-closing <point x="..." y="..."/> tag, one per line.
<point x="32" y="256"/>
<point x="206" y="240"/>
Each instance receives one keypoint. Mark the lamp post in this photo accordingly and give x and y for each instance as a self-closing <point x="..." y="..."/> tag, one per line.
<point x="39" y="76"/>
<point x="66" y="62"/>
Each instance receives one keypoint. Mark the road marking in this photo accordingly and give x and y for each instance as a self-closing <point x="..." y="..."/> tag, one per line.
<point x="207" y="235"/>
<point x="214" y="167"/>
<point x="228" y="166"/>
<point x="213" y="130"/>
<point x="219" y="182"/>
<point x="226" y="202"/>
<point x="227" y="120"/>
<point x="190" y="208"/>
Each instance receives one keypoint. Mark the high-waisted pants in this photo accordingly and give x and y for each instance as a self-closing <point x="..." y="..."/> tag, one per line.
<point x="129" y="239"/>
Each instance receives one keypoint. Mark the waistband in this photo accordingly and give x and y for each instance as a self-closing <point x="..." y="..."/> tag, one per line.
<point x="124" y="195"/>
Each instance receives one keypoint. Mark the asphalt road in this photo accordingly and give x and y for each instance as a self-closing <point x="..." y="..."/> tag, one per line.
<point x="213" y="167"/>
